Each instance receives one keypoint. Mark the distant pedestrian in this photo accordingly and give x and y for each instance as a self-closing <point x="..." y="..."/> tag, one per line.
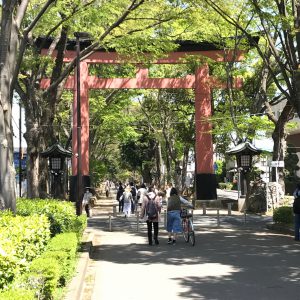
<point x="168" y="189"/>
<point x="127" y="198"/>
<point x="151" y="204"/>
<point x="119" y="198"/>
<point x="173" y="215"/>
<point x="86" y="202"/>
<point x="134" y="197"/>
<point x="296" y="210"/>
<point x="107" y="188"/>
<point x="142" y="191"/>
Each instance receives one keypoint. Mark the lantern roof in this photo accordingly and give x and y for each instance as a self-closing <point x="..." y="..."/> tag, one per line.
<point x="56" y="150"/>
<point x="244" y="148"/>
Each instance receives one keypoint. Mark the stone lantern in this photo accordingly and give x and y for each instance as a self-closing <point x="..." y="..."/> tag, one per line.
<point x="57" y="155"/>
<point x="244" y="153"/>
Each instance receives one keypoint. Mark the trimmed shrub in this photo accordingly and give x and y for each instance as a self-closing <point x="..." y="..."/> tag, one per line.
<point x="21" y="240"/>
<point x="283" y="215"/>
<point x="61" y="214"/>
<point x="63" y="264"/>
<point x="225" y="185"/>
<point x="17" y="294"/>
<point x="43" y="277"/>
<point x="53" y="268"/>
<point x="64" y="242"/>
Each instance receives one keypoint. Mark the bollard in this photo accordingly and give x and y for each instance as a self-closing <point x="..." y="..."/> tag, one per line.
<point x="218" y="217"/>
<point x="165" y="218"/>
<point x="245" y="216"/>
<point x="204" y="209"/>
<point x="114" y="210"/>
<point x="137" y="221"/>
<point x="109" y="222"/>
<point x="229" y="209"/>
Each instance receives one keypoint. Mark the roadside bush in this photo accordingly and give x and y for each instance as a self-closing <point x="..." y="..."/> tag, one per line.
<point x="17" y="294"/>
<point x="21" y="240"/>
<point x="63" y="247"/>
<point x="52" y="269"/>
<point x="30" y="260"/>
<point x="64" y="264"/>
<point x="43" y="277"/>
<point x="64" y="242"/>
<point x="225" y="185"/>
<point x="283" y="215"/>
<point x="61" y="214"/>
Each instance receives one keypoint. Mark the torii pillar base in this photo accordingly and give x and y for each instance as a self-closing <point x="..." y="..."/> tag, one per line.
<point x="205" y="185"/>
<point x="86" y="181"/>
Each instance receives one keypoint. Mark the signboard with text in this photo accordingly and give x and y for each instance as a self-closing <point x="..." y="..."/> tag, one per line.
<point x="277" y="164"/>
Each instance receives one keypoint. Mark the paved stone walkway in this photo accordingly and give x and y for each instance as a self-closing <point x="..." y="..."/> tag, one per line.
<point x="240" y="259"/>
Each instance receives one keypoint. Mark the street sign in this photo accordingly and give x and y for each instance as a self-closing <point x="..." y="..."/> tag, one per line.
<point x="277" y="163"/>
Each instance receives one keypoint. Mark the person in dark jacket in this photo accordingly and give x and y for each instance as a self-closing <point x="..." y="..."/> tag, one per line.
<point x="119" y="198"/>
<point x="296" y="210"/>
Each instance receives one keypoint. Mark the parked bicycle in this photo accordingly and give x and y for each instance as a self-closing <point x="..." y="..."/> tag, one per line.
<point x="187" y="226"/>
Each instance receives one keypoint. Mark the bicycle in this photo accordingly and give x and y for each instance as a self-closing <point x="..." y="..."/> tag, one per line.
<point x="187" y="226"/>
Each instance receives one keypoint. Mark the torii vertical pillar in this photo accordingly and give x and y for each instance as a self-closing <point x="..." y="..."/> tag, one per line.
<point x="84" y="113"/>
<point x="205" y="179"/>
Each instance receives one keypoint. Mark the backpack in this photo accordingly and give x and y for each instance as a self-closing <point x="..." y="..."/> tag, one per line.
<point x="151" y="209"/>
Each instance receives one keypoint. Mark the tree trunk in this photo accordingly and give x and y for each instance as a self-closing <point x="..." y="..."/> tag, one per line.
<point x="279" y="138"/>
<point x="7" y="55"/>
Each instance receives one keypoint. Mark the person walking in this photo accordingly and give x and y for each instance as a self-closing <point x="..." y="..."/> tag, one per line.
<point x="119" y="196"/>
<point x="173" y="214"/>
<point x="86" y="201"/>
<point x="150" y="211"/>
<point x="127" y="198"/>
<point x="296" y="210"/>
<point x="142" y="191"/>
<point x="134" y="197"/>
<point x="107" y="188"/>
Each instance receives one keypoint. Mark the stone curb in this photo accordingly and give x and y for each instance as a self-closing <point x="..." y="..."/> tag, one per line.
<point x="76" y="286"/>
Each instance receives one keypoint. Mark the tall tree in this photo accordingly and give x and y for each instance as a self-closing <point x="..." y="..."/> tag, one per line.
<point x="113" y="24"/>
<point x="11" y="48"/>
<point x="277" y="23"/>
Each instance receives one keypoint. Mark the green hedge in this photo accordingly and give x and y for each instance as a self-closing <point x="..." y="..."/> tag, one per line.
<point x="43" y="277"/>
<point x="53" y="268"/>
<point x="17" y="294"/>
<point x="61" y="214"/>
<point x="225" y="185"/>
<point x="67" y="244"/>
<point x="21" y="240"/>
<point x="283" y="215"/>
<point x="31" y="262"/>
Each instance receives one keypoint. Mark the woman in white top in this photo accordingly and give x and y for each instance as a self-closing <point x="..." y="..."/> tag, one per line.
<point x="142" y="191"/>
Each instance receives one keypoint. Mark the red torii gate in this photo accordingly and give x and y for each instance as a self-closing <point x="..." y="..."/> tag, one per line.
<point x="201" y="82"/>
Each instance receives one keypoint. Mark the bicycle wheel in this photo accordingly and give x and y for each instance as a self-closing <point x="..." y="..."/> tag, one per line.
<point x="192" y="238"/>
<point x="185" y="229"/>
